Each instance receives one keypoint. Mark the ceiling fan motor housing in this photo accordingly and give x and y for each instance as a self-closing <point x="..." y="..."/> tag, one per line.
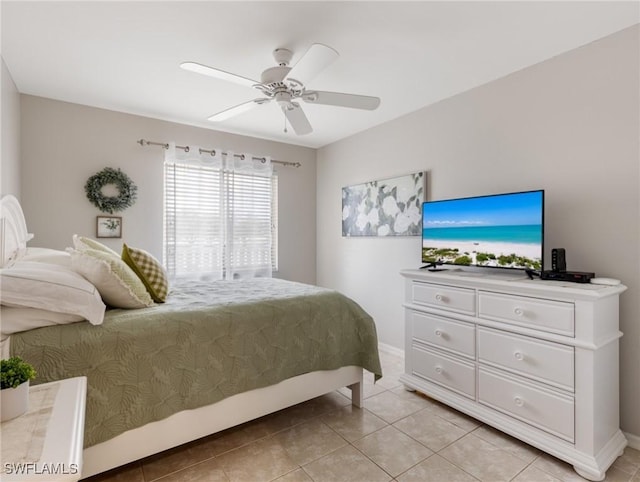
<point x="274" y="75"/>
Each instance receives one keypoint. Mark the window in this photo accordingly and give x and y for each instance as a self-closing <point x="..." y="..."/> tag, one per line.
<point x="219" y="222"/>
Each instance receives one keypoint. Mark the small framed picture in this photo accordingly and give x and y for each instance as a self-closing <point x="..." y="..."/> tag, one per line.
<point x="109" y="227"/>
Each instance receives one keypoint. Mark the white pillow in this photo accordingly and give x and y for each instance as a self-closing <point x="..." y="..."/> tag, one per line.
<point x="14" y="320"/>
<point x="46" y="286"/>
<point x="47" y="255"/>
<point x="118" y="285"/>
<point x="81" y="243"/>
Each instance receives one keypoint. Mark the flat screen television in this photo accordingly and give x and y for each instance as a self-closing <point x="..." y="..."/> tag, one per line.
<point x="498" y="231"/>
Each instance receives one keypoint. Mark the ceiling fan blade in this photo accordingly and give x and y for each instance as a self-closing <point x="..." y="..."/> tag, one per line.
<point x="217" y="73"/>
<point x="316" y="59"/>
<point x="342" y="100"/>
<point x="298" y="120"/>
<point x="237" y="110"/>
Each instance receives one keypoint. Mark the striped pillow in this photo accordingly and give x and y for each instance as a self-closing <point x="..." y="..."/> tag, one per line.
<point x="149" y="270"/>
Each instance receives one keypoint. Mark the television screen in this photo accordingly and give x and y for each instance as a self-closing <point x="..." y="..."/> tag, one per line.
<point x="501" y="231"/>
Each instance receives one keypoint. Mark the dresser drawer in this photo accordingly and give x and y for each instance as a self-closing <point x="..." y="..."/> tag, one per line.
<point x="444" y="370"/>
<point x="544" y="409"/>
<point x="537" y="313"/>
<point x="455" y="336"/>
<point x="544" y="361"/>
<point x="445" y="297"/>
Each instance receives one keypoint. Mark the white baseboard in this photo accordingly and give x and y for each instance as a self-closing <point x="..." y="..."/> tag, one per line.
<point x="391" y="350"/>
<point x="634" y="440"/>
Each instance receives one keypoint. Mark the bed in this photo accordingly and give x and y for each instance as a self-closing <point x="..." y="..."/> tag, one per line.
<point x="215" y="355"/>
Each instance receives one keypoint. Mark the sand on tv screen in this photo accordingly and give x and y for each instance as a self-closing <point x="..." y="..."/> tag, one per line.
<point x="501" y="231"/>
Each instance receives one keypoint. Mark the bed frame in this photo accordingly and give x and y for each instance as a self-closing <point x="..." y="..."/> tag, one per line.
<point x="186" y="425"/>
<point x="190" y="425"/>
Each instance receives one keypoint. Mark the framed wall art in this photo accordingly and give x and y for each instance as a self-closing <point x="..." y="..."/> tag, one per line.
<point x="108" y="226"/>
<point x="387" y="207"/>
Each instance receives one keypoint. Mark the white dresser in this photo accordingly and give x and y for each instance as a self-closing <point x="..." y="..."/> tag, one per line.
<point x="535" y="359"/>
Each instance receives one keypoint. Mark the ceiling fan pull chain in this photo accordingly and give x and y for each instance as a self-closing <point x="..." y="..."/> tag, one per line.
<point x="285" y="123"/>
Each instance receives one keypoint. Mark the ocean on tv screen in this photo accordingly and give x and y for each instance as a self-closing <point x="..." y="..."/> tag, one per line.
<point x="507" y="246"/>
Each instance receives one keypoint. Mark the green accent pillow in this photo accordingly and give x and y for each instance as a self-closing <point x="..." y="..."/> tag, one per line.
<point x="149" y="270"/>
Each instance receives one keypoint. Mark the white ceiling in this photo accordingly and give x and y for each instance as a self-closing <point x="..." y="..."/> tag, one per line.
<point x="125" y="56"/>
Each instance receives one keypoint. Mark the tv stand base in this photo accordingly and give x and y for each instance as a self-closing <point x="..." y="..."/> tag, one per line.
<point x="433" y="266"/>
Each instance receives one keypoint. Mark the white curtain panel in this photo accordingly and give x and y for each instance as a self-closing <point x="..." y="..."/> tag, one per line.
<point x="248" y="210"/>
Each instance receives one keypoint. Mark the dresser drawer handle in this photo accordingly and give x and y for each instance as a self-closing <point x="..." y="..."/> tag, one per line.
<point x="438" y="333"/>
<point x="518" y="311"/>
<point x="518" y="401"/>
<point x="440" y="297"/>
<point x="439" y="370"/>
<point x="518" y="356"/>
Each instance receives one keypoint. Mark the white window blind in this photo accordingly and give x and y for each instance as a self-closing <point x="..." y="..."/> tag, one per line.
<point x="248" y="210"/>
<point x="219" y="222"/>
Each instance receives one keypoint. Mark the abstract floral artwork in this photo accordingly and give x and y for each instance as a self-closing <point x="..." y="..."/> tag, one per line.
<point x="389" y="207"/>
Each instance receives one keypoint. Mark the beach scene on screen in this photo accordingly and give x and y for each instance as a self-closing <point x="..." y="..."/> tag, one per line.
<point x="500" y="231"/>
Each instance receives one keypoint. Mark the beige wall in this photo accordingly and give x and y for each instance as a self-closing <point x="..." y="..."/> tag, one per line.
<point x="568" y="125"/>
<point x="63" y="144"/>
<point x="10" y="134"/>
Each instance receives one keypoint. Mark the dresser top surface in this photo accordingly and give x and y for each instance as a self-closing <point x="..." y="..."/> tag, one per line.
<point x="513" y="282"/>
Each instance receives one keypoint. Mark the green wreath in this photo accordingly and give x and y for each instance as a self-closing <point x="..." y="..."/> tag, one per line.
<point x="127" y="190"/>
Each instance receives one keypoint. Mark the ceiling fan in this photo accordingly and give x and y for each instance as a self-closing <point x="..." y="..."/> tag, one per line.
<point x="285" y="85"/>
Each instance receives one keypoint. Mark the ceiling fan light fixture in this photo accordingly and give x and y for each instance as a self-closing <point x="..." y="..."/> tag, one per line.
<point x="283" y="98"/>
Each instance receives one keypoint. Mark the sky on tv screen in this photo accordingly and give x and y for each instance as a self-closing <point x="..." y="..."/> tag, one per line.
<point x="500" y="210"/>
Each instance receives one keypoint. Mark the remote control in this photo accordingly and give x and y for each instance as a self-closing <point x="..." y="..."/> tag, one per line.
<point x="605" y="281"/>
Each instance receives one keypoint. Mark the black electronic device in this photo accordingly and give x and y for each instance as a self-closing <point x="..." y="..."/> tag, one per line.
<point x="558" y="259"/>
<point x="573" y="276"/>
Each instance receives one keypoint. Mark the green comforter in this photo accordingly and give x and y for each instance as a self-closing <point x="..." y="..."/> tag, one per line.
<point x="209" y="341"/>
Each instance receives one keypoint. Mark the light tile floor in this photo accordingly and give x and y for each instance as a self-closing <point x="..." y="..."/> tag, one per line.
<point x="398" y="435"/>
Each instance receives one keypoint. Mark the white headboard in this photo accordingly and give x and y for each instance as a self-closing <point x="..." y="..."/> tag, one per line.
<point x="13" y="231"/>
